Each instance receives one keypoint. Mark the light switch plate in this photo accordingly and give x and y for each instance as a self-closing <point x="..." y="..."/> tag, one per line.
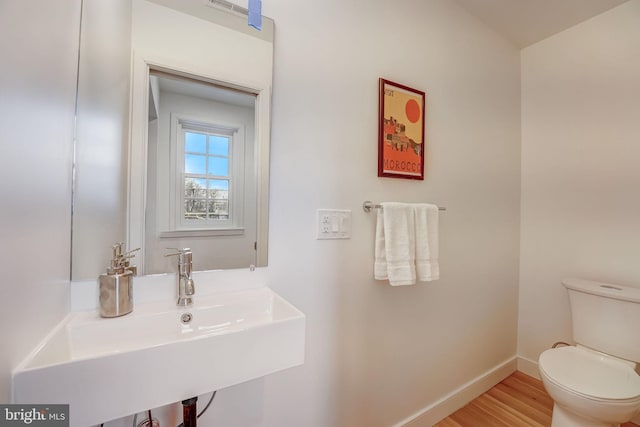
<point x="333" y="224"/>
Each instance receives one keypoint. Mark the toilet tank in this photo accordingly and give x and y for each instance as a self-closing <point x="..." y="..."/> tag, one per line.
<point x="605" y="317"/>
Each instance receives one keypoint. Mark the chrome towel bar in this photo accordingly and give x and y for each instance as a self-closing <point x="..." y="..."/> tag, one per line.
<point x="368" y="206"/>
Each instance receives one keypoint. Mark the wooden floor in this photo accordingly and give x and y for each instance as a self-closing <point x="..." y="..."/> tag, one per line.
<point x="519" y="400"/>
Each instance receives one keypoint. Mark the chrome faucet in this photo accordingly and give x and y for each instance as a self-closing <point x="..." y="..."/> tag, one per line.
<point x="186" y="287"/>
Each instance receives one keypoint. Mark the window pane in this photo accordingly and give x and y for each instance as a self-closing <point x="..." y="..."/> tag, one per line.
<point x="219" y="145"/>
<point x="219" y="193"/>
<point x="195" y="187"/>
<point x="219" y="185"/>
<point x="195" y="209"/>
<point x="194" y="163"/>
<point x="195" y="142"/>
<point x="219" y="166"/>
<point x="207" y="176"/>
<point x="219" y="209"/>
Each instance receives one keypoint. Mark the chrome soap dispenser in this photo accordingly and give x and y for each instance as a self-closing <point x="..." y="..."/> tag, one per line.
<point x="116" y="286"/>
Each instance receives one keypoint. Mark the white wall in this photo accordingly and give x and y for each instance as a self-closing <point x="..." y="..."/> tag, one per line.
<point x="580" y="151"/>
<point x="376" y="354"/>
<point x="39" y="51"/>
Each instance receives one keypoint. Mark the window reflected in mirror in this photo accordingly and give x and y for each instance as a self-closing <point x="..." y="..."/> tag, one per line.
<point x="201" y="168"/>
<point x="207" y="174"/>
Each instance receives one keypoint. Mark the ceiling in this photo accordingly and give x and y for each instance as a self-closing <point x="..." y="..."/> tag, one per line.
<point x="199" y="89"/>
<point x="525" y="22"/>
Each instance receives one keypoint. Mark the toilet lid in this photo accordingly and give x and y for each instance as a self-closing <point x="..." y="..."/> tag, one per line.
<point x="590" y="374"/>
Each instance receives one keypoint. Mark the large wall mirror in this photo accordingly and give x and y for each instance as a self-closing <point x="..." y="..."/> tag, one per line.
<point x="172" y="141"/>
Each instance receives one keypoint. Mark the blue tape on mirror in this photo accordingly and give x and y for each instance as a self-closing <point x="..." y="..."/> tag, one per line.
<point x="255" y="14"/>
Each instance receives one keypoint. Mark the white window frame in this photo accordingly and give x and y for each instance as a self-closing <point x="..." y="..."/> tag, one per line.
<point x="180" y="226"/>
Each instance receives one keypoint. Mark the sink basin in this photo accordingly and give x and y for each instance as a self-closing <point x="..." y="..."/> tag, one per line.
<point x="111" y="368"/>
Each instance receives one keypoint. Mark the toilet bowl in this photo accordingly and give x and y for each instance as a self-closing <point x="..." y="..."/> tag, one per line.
<point x="596" y="382"/>
<point x="589" y="389"/>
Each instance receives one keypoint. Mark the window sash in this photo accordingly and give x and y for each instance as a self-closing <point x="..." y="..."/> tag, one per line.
<point x="184" y="220"/>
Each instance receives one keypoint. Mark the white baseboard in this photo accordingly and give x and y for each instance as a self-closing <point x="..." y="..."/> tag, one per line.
<point x="460" y="397"/>
<point x="528" y="366"/>
<point x="455" y="400"/>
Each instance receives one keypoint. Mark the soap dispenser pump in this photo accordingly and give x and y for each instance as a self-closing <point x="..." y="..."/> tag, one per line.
<point x="116" y="285"/>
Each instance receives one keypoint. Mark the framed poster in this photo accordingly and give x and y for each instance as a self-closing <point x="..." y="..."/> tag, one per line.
<point x="400" y="131"/>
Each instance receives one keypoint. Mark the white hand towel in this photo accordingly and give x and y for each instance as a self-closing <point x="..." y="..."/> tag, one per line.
<point x="395" y="244"/>
<point x="380" y="264"/>
<point x="427" y="251"/>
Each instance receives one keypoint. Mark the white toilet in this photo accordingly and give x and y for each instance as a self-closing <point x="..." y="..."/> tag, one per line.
<point x="596" y="383"/>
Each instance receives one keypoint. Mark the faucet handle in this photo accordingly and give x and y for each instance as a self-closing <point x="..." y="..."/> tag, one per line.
<point x="184" y="256"/>
<point x="180" y="251"/>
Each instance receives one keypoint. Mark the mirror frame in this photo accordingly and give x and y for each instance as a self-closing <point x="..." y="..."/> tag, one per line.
<point x="143" y="62"/>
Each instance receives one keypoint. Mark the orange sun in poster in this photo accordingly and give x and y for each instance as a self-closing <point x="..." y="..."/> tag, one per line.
<point x="412" y="110"/>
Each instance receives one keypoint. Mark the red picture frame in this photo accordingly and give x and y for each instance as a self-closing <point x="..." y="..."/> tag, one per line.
<point x="401" y="141"/>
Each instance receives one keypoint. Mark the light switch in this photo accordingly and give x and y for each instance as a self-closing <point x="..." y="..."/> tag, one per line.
<point x="333" y="224"/>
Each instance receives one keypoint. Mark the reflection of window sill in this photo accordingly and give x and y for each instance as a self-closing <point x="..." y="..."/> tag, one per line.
<point x="196" y="232"/>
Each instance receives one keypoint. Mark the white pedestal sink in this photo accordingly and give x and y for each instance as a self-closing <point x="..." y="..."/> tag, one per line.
<point x="111" y="368"/>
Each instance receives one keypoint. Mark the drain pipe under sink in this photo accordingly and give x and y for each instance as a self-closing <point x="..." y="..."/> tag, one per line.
<point x="190" y="412"/>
